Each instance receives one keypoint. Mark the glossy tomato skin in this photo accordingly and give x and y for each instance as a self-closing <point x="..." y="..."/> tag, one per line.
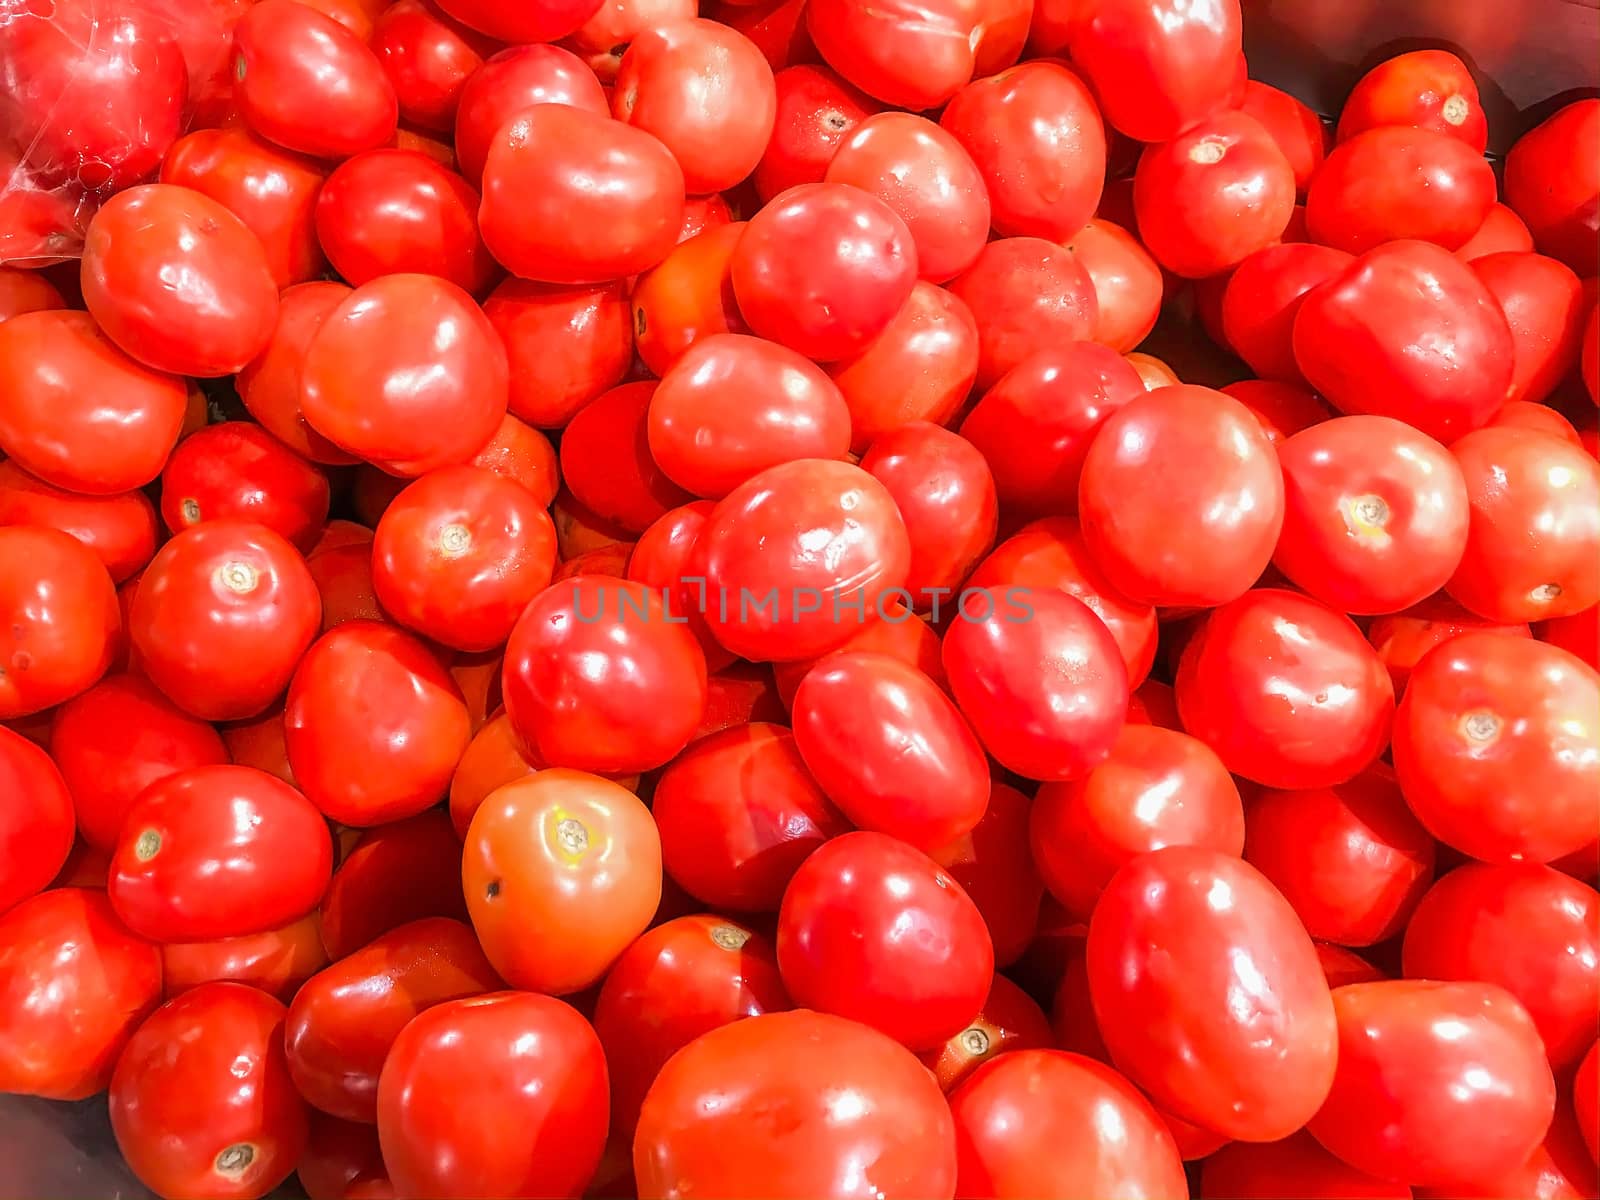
<point x="843" y="945"/>
<point x="1545" y="307"/>
<point x="572" y="855"/>
<point x="1262" y="298"/>
<point x="546" y="21"/>
<point x="1401" y="1106"/>
<point x="1552" y="183"/>
<point x="269" y="385"/>
<point x="407" y="373"/>
<point x="221" y="617"/>
<point x="906" y="56"/>
<point x="36" y="827"/>
<point x="1586" y="1095"/>
<point x="565" y="345"/>
<point x="1355" y="340"/>
<point x="396" y="873"/>
<point x="1294" y="1166"/>
<point x="1174" y="937"/>
<point x="277" y="961"/>
<point x="1296" y="128"/>
<point x="992" y="863"/>
<point x="1127" y="283"/>
<point x="81" y="414"/>
<point x="236" y="469"/>
<point x="511" y="80"/>
<point x="218" y="851"/>
<point x="308" y="84"/>
<point x="428" y="59"/>
<point x="1009" y="1021"/>
<point x="1502" y="231"/>
<point x="1423" y="89"/>
<point x="890" y="749"/>
<point x="1402" y="639"/>
<point x="1222" y="491"/>
<point x="1063" y="1148"/>
<point x="1375" y="514"/>
<point x="1025" y="294"/>
<point x="346" y="1018"/>
<point x="687" y="297"/>
<point x="374" y="724"/>
<point x="659" y="560"/>
<point x="540" y="177"/>
<point x="803" y="1064"/>
<point x="64" y="622"/>
<point x="201" y="1102"/>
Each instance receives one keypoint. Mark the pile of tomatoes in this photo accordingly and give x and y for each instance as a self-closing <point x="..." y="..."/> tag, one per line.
<point x="601" y="601"/>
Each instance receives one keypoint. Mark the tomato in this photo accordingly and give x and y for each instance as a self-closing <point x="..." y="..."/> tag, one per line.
<point x="1585" y="1095"/>
<point x="1589" y="353"/>
<point x="844" y="944"/>
<point x="388" y="212"/>
<point x="571" y="856"/>
<point x="1282" y="409"/>
<point x="36" y="823"/>
<point x="1158" y="788"/>
<point x="1295" y="128"/>
<point x="815" y="112"/>
<point x="786" y="554"/>
<point x="23" y="291"/>
<point x="1214" y="195"/>
<point x="277" y="961"/>
<point x="343" y="577"/>
<point x="492" y="759"/>
<point x="309" y="84"/>
<point x="1026" y="294"/>
<point x="1357" y="339"/>
<point x="1553" y="183"/>
<point x="912" y="57"/>
<point x="850" y="1097"/>
<point x="1035" y="425"/>
<point x="1127" y="283"/>
<point x="428" y="59"/>
<point x="1009" y="1021"/>
<point x="1262" y="298"/>
<point x="1502" y="231"/>
<point x="521" y="453"/>
<point x="1402" y="639"/>
<point x="603" y="39"/>
<point x="687" y="297"/>
<point x="1422" y="89"/>
<point x="1560" y="1167"/>
<point x="1210" y="531"/>
<point x="374" y="725"/>
<point x="659" y="561"/>
<point x="1295" y="1166"/>
<point x="897" y="632"/>
<point x="269" y="385"/>
<point x="565" y="345"/>
<point x="740" y="694"/>
<point x="1158" y="66"/>
<point x="336" y="1155"/>
<point x="120" y="530"/>
<point x="1518" y="481"/>
<point x="1545" y="308"/>
<point x="237" y="470"/>
<point x="399" y="872"/>
<point x="218" y="851"/>
<point x="1494" y="745"/>
<point x="737" y="813"/>
<point x="63" y="622"/>
<point x="1179" y="937"/>
<point x="555" y="165"/>
<point x="459" y="554"/>
<point x="1044" y="1123"/>
<point x="1578" y="634"/>
<point x="544" y="21"/>
<point x="823" y="269"/>
<point x="513" y="79"/>
<point x="920" y="368"/>
<point x="1437" y="1083"/>
<point x="81" y="414"/>
<point x="1527" y="415"/>
<point x="731" y="406"/>
<point x="991" y="862"/>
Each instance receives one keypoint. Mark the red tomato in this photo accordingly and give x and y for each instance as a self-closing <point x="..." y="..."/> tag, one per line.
<point x="844" y="944"/>
<point x="388" y="212"/>
<point x="1044" y="1123"/>
<point x="571" y="856"/>
<point x="1545" y="307"/>
<point x="1009" y="1021"/>
<point x="543" y="21"/>
<point x="898" y="633"/>
<point x="1026" y="294"/>
<point x="512" y="80"/>
<point x="80" y="413"/>
<point x="1527" y="415"/>
<point x="1214" y="195"/>
<point x="659" y="561"/>
<point x="1423" y="89"/>
<point x="222" y="615"/>
<point x="565" y="345"/>
<point x="1127" y="283"/>
<point x="1262" y="298"/>
<point x="991" y="861"/>
<point x="1207" y="534"/>
<point x="1495" y="746"/>
<point x="374" y="725"/>
<point x="555" y="167"/>
<point x="1465" y="1090"/>
<point x="23" y="291"/>
<point x="428" y="59"/>
<point x="337" y="1154"/>
<point x="215" y="852"/>
<point x="309" y="84"/>
<point x="459" y="554"/>
<point x="237" y="470"/>
<point x="1158" y="66"/>
<point x="1552" y="179"/>
<point x="1520" y="481"/>
<point x="823" y="269"/>
<point x="201" y="1102"/>
<point x="1283" y="409"/>
<point x="63" y="622"/>
<point x="1158" y="788"/>
<point x="399" y="872"/>
<point x="1403" y="638"/>
<point x="737" y="695"/>
<point x="909" y="56"/>
<point x="1209" y="995"/>
<point x="1560" y="1167"/>
<point x="36" y="826"/>
<point x="1578" y="634"/>
<point x="815" y="112"/>
<point x="688" y="296"/>
<point x="270" y="385"/>
<point x="491" y="760"/>
<point x="521" y="453"/>
<point x="603" y="39"/>
<point x="851" y="1096"/>
<point x="1502" y="230"/>
<point x="407" y="373"/>
<point x="277" y="961"/>
<point x="120" y="530"/>
<point x="1295" y="128"/>
<point x="1296" y="1166"/>
<point x="1359" y="339"/>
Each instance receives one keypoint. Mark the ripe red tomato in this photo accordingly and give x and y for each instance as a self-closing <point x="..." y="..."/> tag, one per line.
<point x="1262" y="298"/>
<point x="991" y="861"/>
<point x="1578" y="634"/>
<point x="428" y="59"/>
<point x="1207" y="534"/>
<point x="402" y="871"/>
<point x="36" y="827"/>
<point x="554" y="167"/>
<point x="277" y="961"/>
<point x="1422" y="89"/>
<point x="270" y="385"/>
<point x="1502" y="231"/>
<point x="562" y="870"/>
<point x="1402" y="639"/>
<point x="845" y="947"/>
<point x="336" y="1155"/>
<point x="23" y="291"/>
<point x="1008" y="1021"/>
<point x="237" y="470"/>
<point x="913" y="57"/>
<point x="521" y="453"/>
<point x="1295" y="128"/>
<point x="1042" y="1122"/>
<point x="1545" y="307"/>
<point x="565" y="345"/>
<point x="80" y="413"/>
<point x="1553" y="183"/>
<point x="63" y="622"/>
<point x="851" y="1096"/>
<point x="603" y="39"/>
<point x="1127" y="283"/>
<point x="687" y="297"/>
<point x="1283" y="409"/>
<point x="1295" y="1166"/>
<point x="1026" y="294"/>
<point x="309" y="84"/>
<point x="544" y="21"/>
<point x="1466" y="1090"/>
<point x="815" y="112"/>
<point x="1213" y="195"/>
<point x="1357" y="340"/>
<point x="121" y="530"/>
<point x="201" y="1102"/>
<point x="516" y="78"/>
<point x="1158" y="788"/>
<point x="1209" y="995"/>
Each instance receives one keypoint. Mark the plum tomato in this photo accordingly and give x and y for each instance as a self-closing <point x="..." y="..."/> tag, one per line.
<point x="911" y="56"/>
<point x="1262" y="298"/>
<point x="816" y="112"/>
<point x="1497" y="747"/>
<point x="63" y="623"/>
<point x="1010" y="1020"/>
<point x="850" y="1096"/>
<point x="562" y="871"/>
<point x="1545" y="306"/>
<point x="1208" y="993"/>
<point x="1292" y="125"/>
<point x="1422" y="89"/>
<point x="1401" y="639"/>
<point x="991" y="861"/>
<point x="1026" y="294"/>
<point x="236" y="469"/>
<point x="516" y="78"/>
<point x="521" y="453"/>
<point x="686" y="297"/>
<point x="1127" y="283"/>
<point x="269" y="386"/>
<point x="565" y="345"/>
<point x="36" y="824"/>
<point x="428" y="59"/>
<point x="1552" y="181"/>
<point x="1294" y="1166"/>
